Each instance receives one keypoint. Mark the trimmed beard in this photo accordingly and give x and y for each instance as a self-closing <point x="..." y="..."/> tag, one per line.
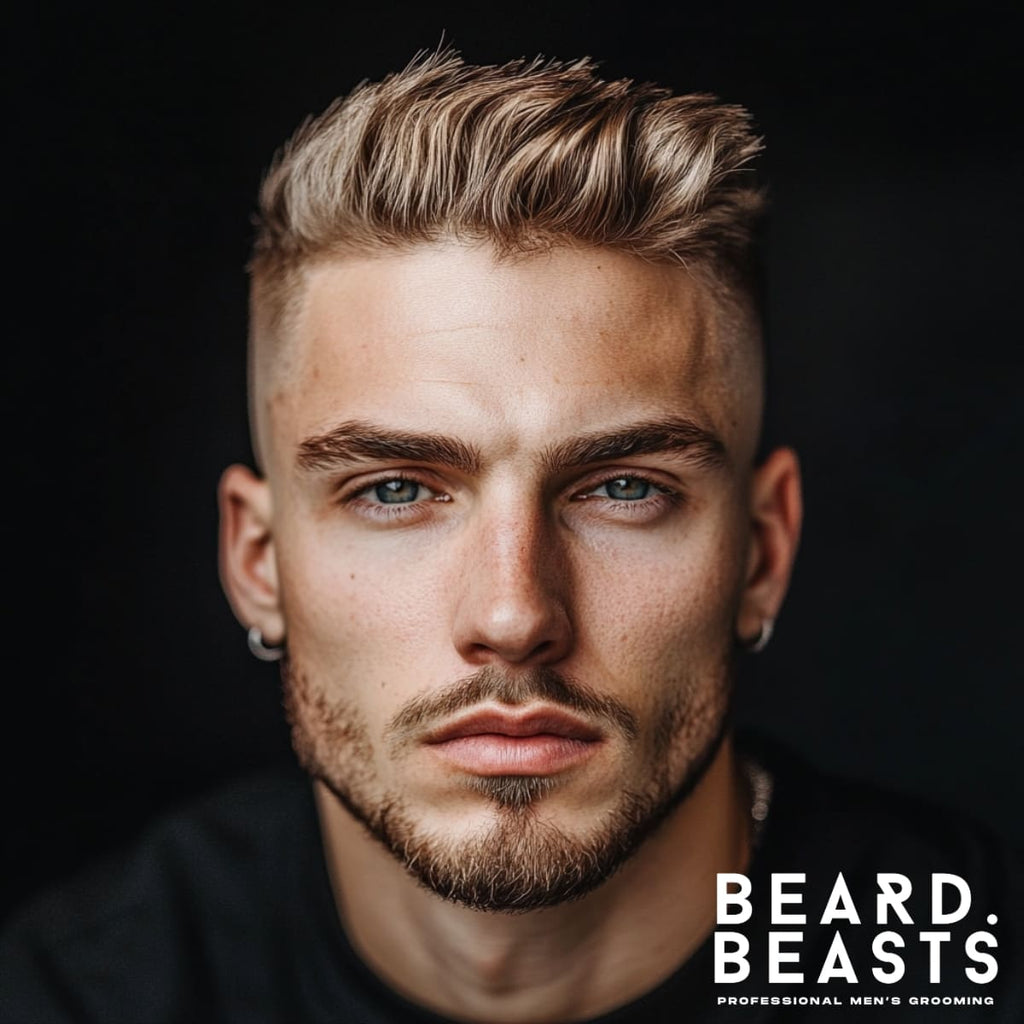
<point x="520" y="863"/>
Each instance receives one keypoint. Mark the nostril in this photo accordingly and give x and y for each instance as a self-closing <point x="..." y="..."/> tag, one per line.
<point x="513" y="614"/>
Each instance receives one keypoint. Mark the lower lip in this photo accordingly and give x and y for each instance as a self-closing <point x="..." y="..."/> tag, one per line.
<point x="497" y="754"/>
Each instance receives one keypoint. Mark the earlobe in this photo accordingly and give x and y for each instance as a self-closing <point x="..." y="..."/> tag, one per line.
<point x="776" y="513"/>
<point x="248" y="566"/>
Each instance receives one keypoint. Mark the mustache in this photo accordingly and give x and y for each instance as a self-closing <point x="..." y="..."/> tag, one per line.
<point x="491" y="683"/>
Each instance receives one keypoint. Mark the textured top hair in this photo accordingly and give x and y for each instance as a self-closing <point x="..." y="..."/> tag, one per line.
<point x="523" y="155"/>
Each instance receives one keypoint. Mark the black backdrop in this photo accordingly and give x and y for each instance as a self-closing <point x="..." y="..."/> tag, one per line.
<point x="137" y="139"/>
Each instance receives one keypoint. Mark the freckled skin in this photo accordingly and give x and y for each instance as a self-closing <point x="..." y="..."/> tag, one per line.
<point x="515" y="568"/>
<point x="509" y="356"/>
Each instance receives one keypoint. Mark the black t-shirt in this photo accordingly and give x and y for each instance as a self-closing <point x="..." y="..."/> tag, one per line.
<point x="224" y="913"/>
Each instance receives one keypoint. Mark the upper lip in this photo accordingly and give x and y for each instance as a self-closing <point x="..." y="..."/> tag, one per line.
<point x="533" y="722"/>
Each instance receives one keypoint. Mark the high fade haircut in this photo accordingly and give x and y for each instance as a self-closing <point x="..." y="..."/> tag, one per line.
<point x="523" y="156"/>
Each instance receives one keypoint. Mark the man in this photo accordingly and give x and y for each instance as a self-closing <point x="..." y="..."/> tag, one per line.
<point x="512" y="528"/>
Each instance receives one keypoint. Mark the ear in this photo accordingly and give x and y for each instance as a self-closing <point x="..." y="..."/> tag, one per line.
<point x="776" y="512"/>
<point x="248" y="566"/>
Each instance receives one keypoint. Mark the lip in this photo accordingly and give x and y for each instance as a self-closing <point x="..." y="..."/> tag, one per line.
<point x="535" y="722"/>
<point x="536" y="742"/>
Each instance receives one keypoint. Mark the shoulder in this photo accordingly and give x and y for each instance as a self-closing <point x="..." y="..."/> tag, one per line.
<point x="133" y="936"/>
<point x="836" y="820"/>
<point x="880" y="867"/>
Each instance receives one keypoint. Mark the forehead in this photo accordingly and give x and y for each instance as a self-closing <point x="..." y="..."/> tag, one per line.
<point x="517" y="351"/>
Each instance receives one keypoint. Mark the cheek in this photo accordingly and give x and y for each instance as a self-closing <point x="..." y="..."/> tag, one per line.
<point x="360" y="616"/>
<point x="673" y="598"/>
<point x="662" y="636"/>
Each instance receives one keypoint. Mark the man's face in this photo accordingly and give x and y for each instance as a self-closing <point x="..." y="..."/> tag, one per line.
<point x="509" y="508"/>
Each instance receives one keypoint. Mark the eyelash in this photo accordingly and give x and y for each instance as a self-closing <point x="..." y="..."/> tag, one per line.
<point x="398" y="510"/>
<point x="407" y="510"/>
<point x="660" y="494"/>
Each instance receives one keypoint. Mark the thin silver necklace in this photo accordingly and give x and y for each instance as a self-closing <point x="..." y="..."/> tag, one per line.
<point x="761" y="784"/>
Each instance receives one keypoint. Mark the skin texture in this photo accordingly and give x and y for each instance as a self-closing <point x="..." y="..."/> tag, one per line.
<point x="524" y="566"/>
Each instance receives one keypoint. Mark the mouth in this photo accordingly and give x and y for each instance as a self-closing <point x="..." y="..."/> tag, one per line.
<point x="536" y="742"/>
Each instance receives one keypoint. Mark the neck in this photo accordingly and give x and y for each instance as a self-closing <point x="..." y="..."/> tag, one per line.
<point x="569" y="962"/>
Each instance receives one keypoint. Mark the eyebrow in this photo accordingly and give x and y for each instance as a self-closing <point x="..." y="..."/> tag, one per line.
<point x="650" y="437"/>
<point x="359" y="441"/>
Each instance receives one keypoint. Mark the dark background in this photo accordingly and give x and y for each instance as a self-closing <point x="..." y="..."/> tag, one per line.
<point x="137" y="139"/>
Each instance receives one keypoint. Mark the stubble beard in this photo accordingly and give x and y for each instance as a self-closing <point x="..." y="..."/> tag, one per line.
<point x="521" y="862"/>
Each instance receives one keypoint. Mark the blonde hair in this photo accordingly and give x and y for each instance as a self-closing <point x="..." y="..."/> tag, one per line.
<point x="524" y="155"/>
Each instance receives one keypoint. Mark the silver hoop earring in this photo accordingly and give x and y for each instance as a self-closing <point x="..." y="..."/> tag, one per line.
<point x="260" y="650"/>
<point x="760" y="642"/>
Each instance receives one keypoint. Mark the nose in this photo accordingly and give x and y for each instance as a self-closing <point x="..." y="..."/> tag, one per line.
<point x="511" y="605"/>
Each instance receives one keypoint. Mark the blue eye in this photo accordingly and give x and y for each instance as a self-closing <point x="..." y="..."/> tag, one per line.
<point x="397" y="492"/>
<point x="627" y="488"/>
